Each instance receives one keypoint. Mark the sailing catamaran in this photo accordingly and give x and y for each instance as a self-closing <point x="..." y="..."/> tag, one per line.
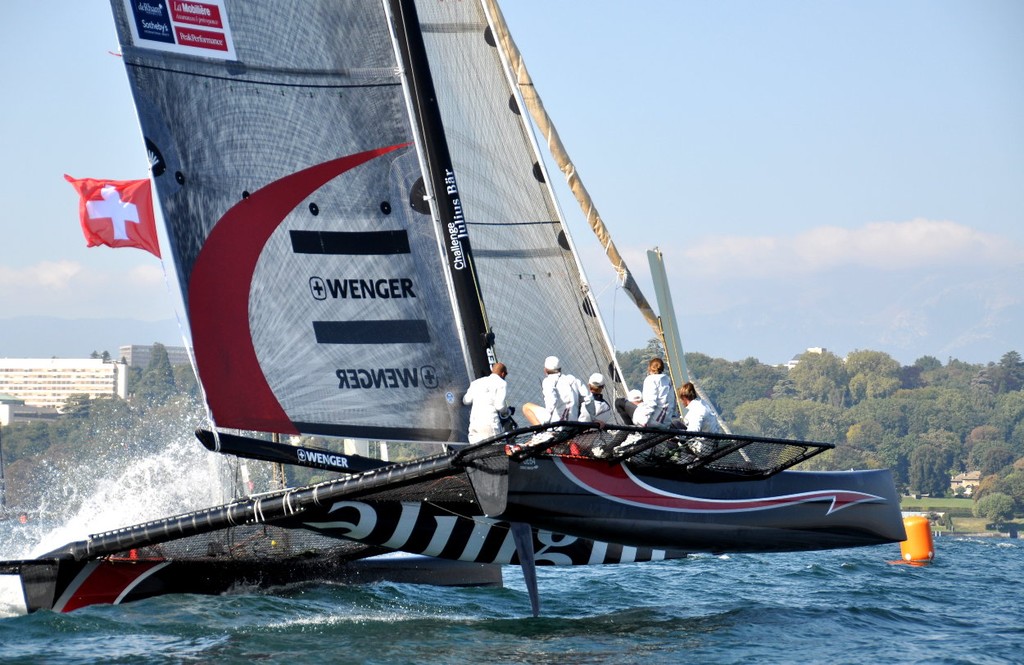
<point x="362" y="223"/>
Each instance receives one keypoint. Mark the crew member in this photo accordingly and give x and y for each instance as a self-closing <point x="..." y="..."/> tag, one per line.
<point x="487" y="397"/>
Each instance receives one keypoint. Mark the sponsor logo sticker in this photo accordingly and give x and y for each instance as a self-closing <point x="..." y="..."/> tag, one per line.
<point x="386" y="378"/>
<point x="191" y="27"/>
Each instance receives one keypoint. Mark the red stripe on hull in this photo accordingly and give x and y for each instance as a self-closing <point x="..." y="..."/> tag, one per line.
<point x="617" y="483"/>
<point x="103" y="582"/>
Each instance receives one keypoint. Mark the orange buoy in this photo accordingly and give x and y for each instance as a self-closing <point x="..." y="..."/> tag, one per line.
<point x="918" y="547"/>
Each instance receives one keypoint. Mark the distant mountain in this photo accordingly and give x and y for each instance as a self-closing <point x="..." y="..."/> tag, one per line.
<point x="49" y="336"/>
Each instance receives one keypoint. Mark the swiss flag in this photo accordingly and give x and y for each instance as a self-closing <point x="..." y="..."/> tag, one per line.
<point x="117" y="213"/>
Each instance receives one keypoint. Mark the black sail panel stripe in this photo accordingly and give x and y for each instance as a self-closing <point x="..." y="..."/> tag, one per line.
<point x="396" y="331"/>
<point x="350" y="242"/>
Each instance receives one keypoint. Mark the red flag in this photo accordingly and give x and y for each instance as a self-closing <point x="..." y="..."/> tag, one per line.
<point x="117" y="213"/>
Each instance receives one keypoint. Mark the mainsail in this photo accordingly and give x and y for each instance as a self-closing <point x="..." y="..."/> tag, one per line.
<point x="322" y="169"/>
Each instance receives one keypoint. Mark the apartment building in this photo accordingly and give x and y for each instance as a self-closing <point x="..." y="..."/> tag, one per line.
<point x="48" y="382"/>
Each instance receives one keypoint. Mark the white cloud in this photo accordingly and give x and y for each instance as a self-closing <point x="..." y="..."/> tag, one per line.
<point x="44" y="275"/>
<point x="70" y="289"/>
<point x="886" y="246"/>
<point x="146" y="274"/>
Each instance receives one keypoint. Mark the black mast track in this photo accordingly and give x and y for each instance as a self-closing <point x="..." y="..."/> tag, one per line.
<point x="458" y="251"/>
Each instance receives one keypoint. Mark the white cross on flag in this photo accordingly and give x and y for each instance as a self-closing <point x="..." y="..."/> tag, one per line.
<point x="117" y="213"/>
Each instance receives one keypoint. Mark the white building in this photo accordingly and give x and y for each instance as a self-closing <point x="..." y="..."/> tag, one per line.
<point x="13" y="409"/>
<point x="48" y="382"/>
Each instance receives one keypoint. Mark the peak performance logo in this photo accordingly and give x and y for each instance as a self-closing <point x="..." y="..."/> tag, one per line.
<point x="387" y="378"/>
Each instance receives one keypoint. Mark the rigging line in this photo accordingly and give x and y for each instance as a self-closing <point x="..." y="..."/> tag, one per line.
<point x="477" y="519"/>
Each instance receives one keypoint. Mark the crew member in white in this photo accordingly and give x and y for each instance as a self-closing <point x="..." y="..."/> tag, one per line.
<point x="487" y="397"/>
<point x="658" y="406"/>
<point x="561" y="396"/>
<point x="698" y="417"/>
<point x="594" y="408"/>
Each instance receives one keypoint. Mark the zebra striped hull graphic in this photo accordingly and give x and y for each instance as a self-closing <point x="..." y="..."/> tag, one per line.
<point x="433" y="530"/>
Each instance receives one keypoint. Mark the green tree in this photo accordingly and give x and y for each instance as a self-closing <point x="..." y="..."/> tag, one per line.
<point x="1013" y="485"/>
<point x="873" y="375"/>
<point x="929" y="470"/>
<point x="956" y="374"/>
<point x="820" y="377"/>
<point x="928" y="363"/>
<point x="776" y="418"/>
<point x="1013" y="371"/>
<point x="866" y="435"/>
<point x="989" y="457"/>
<point x="1008" y="417"/>
<point x="76" y="406"/>
<point x="995" y="507"/>
<point x="156" y="384"/>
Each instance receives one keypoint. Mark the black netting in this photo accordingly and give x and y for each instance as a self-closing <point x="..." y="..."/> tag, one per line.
<point x="256" y="542"/>
<point x="658" y="451"/>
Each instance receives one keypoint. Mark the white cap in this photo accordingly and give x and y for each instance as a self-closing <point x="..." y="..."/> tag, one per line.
<point x="596" y="379"/>
<point x="635" y="396"/>
<point x="552" y="363"/>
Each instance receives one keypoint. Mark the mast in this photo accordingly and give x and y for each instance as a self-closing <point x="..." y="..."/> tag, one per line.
<point x="441" y="187"/>
<point x="669" y="335"/>
<point x="669" y="329"/>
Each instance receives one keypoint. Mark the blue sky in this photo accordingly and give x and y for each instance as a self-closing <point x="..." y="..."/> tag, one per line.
<point x="838" y="174"/>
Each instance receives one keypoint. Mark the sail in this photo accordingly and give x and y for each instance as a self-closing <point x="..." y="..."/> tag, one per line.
<point x="536" y="296"/>
<point x="356" y="207"/>
<point x="289" y="181"/>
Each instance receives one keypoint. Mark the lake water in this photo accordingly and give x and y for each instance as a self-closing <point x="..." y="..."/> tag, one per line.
<point x="835" y="607"/>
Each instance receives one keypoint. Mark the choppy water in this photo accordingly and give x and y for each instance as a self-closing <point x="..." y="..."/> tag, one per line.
<point x="835" y="607"/>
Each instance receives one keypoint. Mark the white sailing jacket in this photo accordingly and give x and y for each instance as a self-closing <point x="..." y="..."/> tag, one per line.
<point x="487" y="397"/>
<point x="659" y="405"/>
<point x="561" y="397"/>
<point x="595" y="410"/>
<point x="699" y="418"/>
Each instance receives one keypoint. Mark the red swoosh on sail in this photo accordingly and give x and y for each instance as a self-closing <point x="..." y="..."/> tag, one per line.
<point x="218" y="296"/>
<point x="617" y="483"/>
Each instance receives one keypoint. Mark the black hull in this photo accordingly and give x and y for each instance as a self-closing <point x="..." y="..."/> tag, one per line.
<point x="681" y="491"/>
<point x="790" y="511"/>
<point x="66" y="585"/>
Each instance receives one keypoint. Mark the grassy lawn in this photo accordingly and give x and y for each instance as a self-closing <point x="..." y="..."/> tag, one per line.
<point x="934" y="503"/>
<point x="967" y="525"/>
<point x="963" y="520"/>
